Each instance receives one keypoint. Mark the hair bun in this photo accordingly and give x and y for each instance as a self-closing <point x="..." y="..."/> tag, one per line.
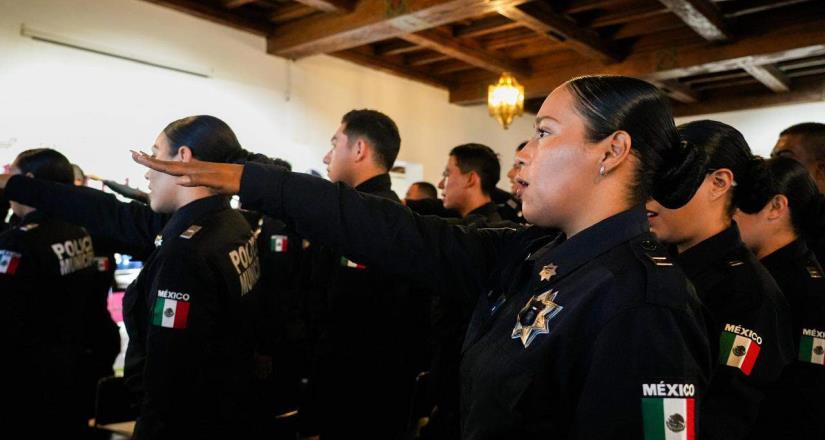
<point x="679" y="175"/>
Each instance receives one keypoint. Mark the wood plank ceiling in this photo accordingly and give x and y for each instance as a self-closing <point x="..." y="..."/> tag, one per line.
<point x="706" y="55"/>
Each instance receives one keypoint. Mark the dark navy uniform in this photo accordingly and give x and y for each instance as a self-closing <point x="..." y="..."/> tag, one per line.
<point x="189" y="358"/>
<point x="448" y="322"/>
<point x="431" y="207"/>
<point x="750" y="321"/>
<point x="363" y="377"/>
<point x="46" y="267"/>
<point x="568" y="338"/>
<point x="794" y="406"/>
<point x="509" y="208"/>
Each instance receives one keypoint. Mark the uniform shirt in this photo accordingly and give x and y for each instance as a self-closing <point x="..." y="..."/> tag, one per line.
<point x="46" y="267"/>
<point x="794" y="407"/>
<point x="362" y="372"/>
<point x="750" y="330"/>
<point x="189" y="358"/>
<point x="579" y="338"/>
<point x="509" y="208"/>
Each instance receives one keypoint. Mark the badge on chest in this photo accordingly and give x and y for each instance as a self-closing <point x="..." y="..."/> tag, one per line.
<point x="534" y="318"/>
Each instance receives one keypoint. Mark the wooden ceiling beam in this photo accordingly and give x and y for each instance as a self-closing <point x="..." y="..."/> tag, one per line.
<point x="329" y="5"/>
<point x="218" y="15"/>
<point x="485" y="26"/>
<point x="391" y="67"/>
<point x="702" y="16"/>
<point x="729" y="99"/>
<point x="468" y="53"/>
<point x="676" y="91"/>
<point x="801" y="40"/>
<point x="232" y="4"/>
<point x="372" y="21"/>
<point x="769" y="76"/>
<point x="563" y="29"/>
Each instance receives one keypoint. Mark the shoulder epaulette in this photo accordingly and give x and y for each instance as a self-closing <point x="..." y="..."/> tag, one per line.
<point x="28" y="227"/>
<point x="190" y="231"/>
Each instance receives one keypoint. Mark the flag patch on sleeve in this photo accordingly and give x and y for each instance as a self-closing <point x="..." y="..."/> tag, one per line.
<point x="812" y="346"/>
<point x="669" y="411"/>
<point x="9" y="261"/>
<point x="171" y="309"/>
<point x="739" y="348"/>
<point x="278" y="243"/>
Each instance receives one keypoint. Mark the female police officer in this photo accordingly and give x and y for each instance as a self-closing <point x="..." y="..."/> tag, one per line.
<point x="749" y="314"/>
<point x="189" y="355"/>
<point x="589" y="335"/>
<point x="775" y="218"/>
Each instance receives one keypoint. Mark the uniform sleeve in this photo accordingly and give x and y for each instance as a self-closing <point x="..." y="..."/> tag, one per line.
<point x="376" y="231"/>
<point x="182" y="367"/>
<point x="130" y="227"/>
<point x="16" y="284"/>
<point x="646" y="376"/>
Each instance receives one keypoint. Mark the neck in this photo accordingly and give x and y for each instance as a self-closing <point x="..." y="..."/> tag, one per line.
<point x="774" y="242"/>
<point x="475" y="201"/>
<point x="603" y="204"/>
<point x="707" y="230"/>
<point x="189" y="195"/>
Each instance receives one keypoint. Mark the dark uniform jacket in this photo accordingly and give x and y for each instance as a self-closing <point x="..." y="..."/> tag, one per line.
<point x="794" y="406"/>
<point x="189" y="357"/>
<point x="509" y="208"/>
<point x="576" y="338"/>
<point x="750" y="331"/>
<point x="46" y="267"/>
<point x="367" y="333"/>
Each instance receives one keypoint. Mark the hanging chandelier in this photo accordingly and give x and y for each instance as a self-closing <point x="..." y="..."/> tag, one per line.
<point x="505" y="99"/>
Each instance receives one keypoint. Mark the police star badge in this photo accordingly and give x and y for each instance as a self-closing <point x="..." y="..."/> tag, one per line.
<point x="547" y="272"/>
<point x="534" y="318"/>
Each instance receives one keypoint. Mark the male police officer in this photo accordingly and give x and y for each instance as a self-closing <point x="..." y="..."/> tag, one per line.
<point x="46" y="270"/>
<point x="361" y="322"/>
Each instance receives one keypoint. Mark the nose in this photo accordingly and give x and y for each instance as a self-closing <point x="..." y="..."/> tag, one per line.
<point x="441" y="183"/>
<point x="146" y="174"/>
<point x="327" y="157"/>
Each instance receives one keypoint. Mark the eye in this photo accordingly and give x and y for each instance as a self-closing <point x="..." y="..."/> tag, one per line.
<point x="541" y="132"/>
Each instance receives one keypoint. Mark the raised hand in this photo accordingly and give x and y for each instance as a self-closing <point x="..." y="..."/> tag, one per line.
<point x="221" y="177"/>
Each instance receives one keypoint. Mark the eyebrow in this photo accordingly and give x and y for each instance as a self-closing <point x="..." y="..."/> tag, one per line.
<point x="541" y="118"/>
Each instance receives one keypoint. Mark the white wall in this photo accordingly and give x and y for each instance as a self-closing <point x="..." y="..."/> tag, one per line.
<point x="94" y="108"/>
<point x="761" y="127"/>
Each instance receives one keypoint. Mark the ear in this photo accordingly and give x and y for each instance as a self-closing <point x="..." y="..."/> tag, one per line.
<point x="721" y="182"/>
<point x="29" y="174"/>
<point x="777" y="207"/>
<point x="616" y="149"/>
<point x="472" y="179"/>
<point x="360" y="150"/>
<point x="184" y="153"/>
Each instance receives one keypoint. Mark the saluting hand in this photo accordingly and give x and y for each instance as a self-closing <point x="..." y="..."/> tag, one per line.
<point x="222" y="177"/>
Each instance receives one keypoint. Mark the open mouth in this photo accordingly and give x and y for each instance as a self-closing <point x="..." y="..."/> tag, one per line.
<point x="521" y="184"/>
<point x="651" y="214"/>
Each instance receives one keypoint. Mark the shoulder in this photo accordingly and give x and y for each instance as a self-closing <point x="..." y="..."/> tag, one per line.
<point x="749" y="283"/>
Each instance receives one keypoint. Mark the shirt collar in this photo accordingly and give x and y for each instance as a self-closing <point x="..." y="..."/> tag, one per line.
<point x="791" y="252"/>
<point x="707" y="253"/>
<point x="32" y="217"/>
<point x="566" y="255"/>
<point x="375" y="184"/>
<point x="192" y="212"/>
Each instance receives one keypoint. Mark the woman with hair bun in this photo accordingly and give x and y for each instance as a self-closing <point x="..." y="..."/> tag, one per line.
<point x="775" y="218"/>
<point x="750" y="319"/>
<point x="189" y="360"/>
<point x="588" y="334"/>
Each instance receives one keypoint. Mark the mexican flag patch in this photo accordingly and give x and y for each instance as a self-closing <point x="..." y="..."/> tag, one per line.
<point x="8" y="262"/>
<point x="170" y="313"/>
<point x="278" y="243"/>
<point x="669" y="411"/>
<point x="345" y="262"/>
<point x="739" y="348"/>
<point x="812" y="346"/>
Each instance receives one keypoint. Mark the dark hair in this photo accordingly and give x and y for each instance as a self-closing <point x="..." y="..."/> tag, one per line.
<point x="427" y="188"/>
<point x="521" y="146"/>
<point x="724" y="147"/>
<point x="782" y="175"/>
<point x="669" y="169"/>
<point x="378" y="129"/>
<point x="45" y="164"/>
<point x="481" y="159"/>
<point x="813" y="137"/>
<point x="209" y="138"/>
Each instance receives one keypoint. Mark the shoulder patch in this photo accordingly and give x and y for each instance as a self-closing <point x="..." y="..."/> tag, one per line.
<point x="190" y="231"/>
<point x="171" y="309"/>
<point x="734" y="263"/>
<point x="28" y="227"/>
<point x="278" y="243"/>
<point x="9" y="261"/>
<point x="739" y="347"/>
<point x="812" y="346"/>
<point x="669" y="410"/>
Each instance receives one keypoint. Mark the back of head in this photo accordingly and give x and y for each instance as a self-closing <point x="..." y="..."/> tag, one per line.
<point x="669" y="170"/>
<point x="209" y="138"/>
<point x="811" y="136"/>
<point x="724" y="147"/>
<point x="45" y="164"/>
<point x="481" y="159"/>
<point x="427" y="189"/>
<point x="788" y="177"/>
<point x="379" y="130"/>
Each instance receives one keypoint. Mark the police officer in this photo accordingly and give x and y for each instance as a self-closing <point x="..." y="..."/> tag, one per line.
<point x="46" y="267"/>
<point x="774" y="220"/>
<point x="592" y="334"/>
<point x="750" y="316"/>
<point x="509" y="204"/>
<point x="189" y="358"/>
<point x="358" y="390"/>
